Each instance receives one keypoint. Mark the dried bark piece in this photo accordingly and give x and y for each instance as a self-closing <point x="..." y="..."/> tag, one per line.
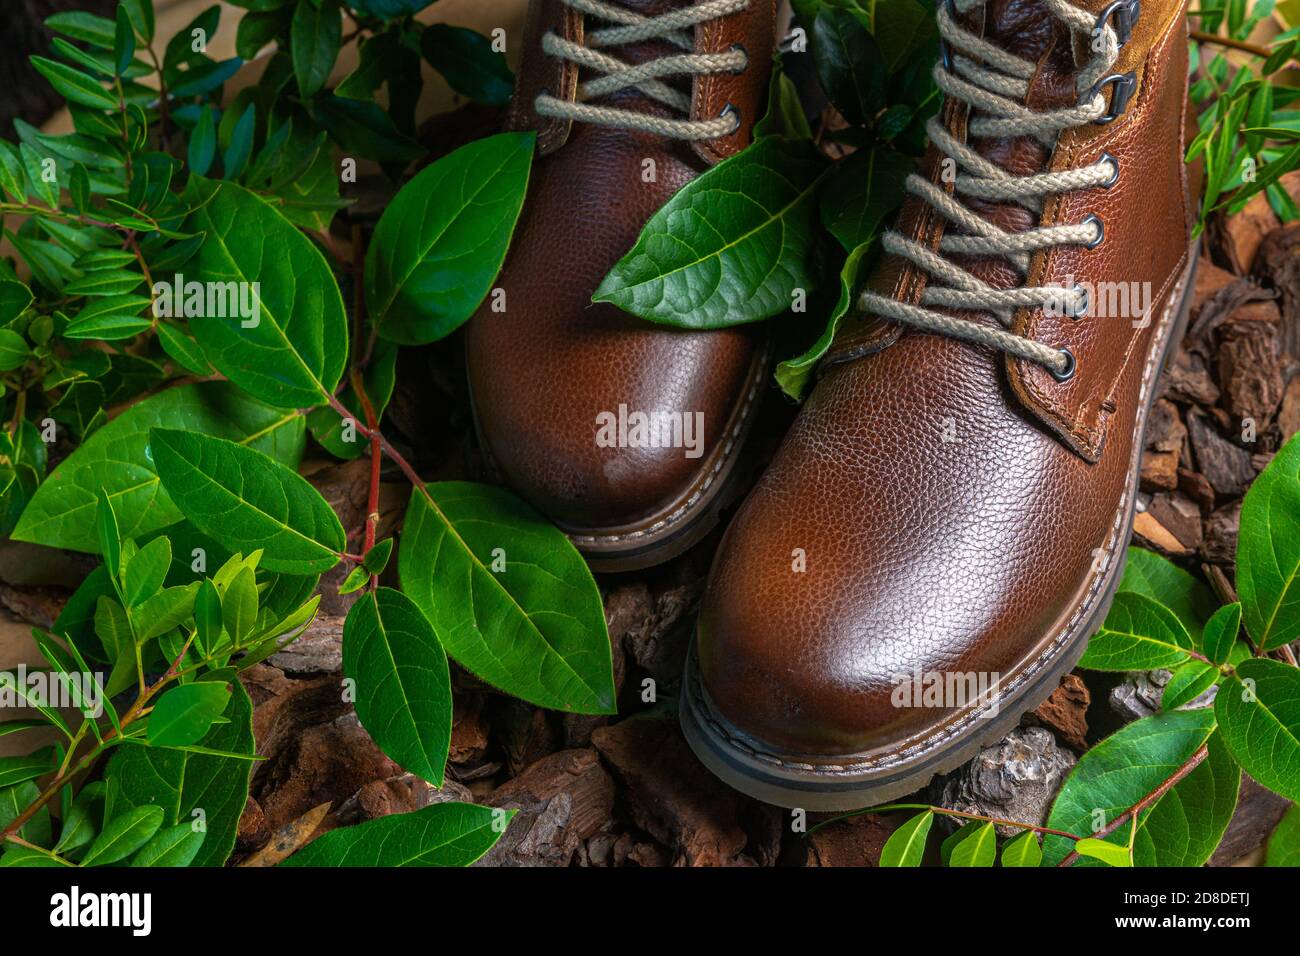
<point x="318" y="651"/>
<point x="288" y="839"/>
<point x="1188" y="380"/>
<point x="1221" y="529"/>
<point x="1278" y="263"/>
<point x="1197" y="487"/>
<point x="670" y="794"/>
<point x="253" y="831"/>
<point x="1065" y="713"/>
<point x="33" y="604"/>
<point x="1243" y="233"/>
<point x="1226" y="466"/>
<point x="526" y="733"/>
<point x="1180" y="515"/>
<point x="469" y="730"/>
<point x="562" y="800"/>
<point x="1249" y="370"/>
<point x="1015" y="779"/>
<point x="855" y="841"/>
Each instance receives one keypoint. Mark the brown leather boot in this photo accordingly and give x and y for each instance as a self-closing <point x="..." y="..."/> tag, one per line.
<point x="558" y="383"/>
<point x="945" y="524"/>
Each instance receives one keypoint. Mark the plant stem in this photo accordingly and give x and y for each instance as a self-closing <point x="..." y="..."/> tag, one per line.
<point x="1192" y="763"/>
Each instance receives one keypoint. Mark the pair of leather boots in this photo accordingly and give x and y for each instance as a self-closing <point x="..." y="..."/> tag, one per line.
<point x="946" y="521"/>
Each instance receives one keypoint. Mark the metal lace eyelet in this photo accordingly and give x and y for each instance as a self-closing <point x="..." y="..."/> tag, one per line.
<point x="1067" y="373"/>
<point x="1125" y="86"/>
<point x="739" y="48"/>
<point x="1108" y="158"/>
<point x="1125" y="12"/>
<point x="1095" y="220"/>
<point x="1078" y="294"/>
<point x="734" y="111"/>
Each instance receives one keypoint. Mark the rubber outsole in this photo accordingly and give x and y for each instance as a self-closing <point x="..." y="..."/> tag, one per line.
<point x="858" y="780"/>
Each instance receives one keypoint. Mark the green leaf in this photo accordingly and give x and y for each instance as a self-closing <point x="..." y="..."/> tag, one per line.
<point x="115" y="458"/>
<point x="110" y="535"/>
<point x="257" y="29"/>
<point x="861" y="192"/>
<point x="975" y="844"/>
<point x="376" y="559"/>
<point x="82" y="822"/>
<point x="1221" y="633"/>
<point x="440" y="243"/>
<point x="203" y="142"/>
<point x="533" y="627"/>
<point x="123" y="42"/>
<point x="732" y="246"/>
<point x="295" y="354"/>
<point x="1284" y="844"/>
<point x="1268" y="551"/>
<point x="1258" y="708"/>
<point x="849" y="63"/>
<point x="95" y="30"/>
<point x="248" y="500"/>
<point x="145" y="572"/>
<point x="785" y="114"/>
<point x="468" y="62"/>
<point x="239" y="604"/>
<point x="13" y="350"/>
<point x="240" y="149"/>
<point x="1187" y="823"/>
<point x="184" y="714"/>
<point x="25" y="856"/>
<point x="906" y="845"/>
<point x="1190" y="599"/>
<point x="314" y="38"/>
<point x="794" y="374"/>
<point x="1189" y="681"/>
<point x="15" y="800"/>
<point x="15" y="299"/>
<point x="184" y="781"/>
<point x="174" y="847"/>
<point x="357" y="578"/>
<point x="183" y="349"/>
<point x="403" y="684"/>
<point x="75" y="86"/>
<point x="110" y="317"/>
<point x="1138" y="634"/>
<point x="1112" y="854"/>
<point x="445" y="834"/>
<point x="123" y="835"/>
<point x="1119" y="771"/>
<point x="106" y="282"/>
<point x="142" y="17"/>
<point x="1022" y="850"/>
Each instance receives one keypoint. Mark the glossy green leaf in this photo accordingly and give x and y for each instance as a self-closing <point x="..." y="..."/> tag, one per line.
<point x="975" y="844"/>
<point x="730" y="247"/>
<point x="194" y="786"/>
<point x="1268" y="551"/>
<point x="295" y="353"/>
<point x="861" y="192"/>
<point x="1191" y="599"/>
<point x="1022" y="850"/>
<point x="441" y="241"/>
<point x="467" y="61"/>
<point x="115" y="458"/>
<point x="174" y="847"/>
<point x="73" y="85"/>
<point x="906" y="845"/>
<point x="248" y="500"/>
<point x="785" y="113"/>
<point x="849" y="63"/>
<point x="123" y="41"/>
<point x="508" y="596"/>
<point x="445" y="834"/>
<point x="794" y="374"/>
<point x="183" y="349"/>
<point x="123" y="835"/>
<point x="1221" y="632"/>
<point x="1119" y="771"/>
<point x="1189" y="680"/>
<point x="144" y="573"/>
<point x="1138" y="634"/>
<point x="1259" y="717"/>
<point x="1187" y="823"/>
<point x="314" y="38"/>
<point x="184" y="714"/>
<point x="1112" y="854"/>
<point x="13" y="350"/>
<point x="403" y="684"/>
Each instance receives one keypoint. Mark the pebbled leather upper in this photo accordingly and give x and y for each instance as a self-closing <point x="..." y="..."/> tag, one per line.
<point x="956" y="511"/>
<point x="543" y="370"/>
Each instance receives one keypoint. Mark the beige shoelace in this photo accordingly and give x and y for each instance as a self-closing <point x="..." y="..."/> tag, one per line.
<point x="675" y="27"/>
<point x="994" y="83"/>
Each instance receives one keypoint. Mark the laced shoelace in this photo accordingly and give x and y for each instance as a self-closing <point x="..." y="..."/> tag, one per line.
<point x="675" y="27"/>
<point x="994" y="84"/>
